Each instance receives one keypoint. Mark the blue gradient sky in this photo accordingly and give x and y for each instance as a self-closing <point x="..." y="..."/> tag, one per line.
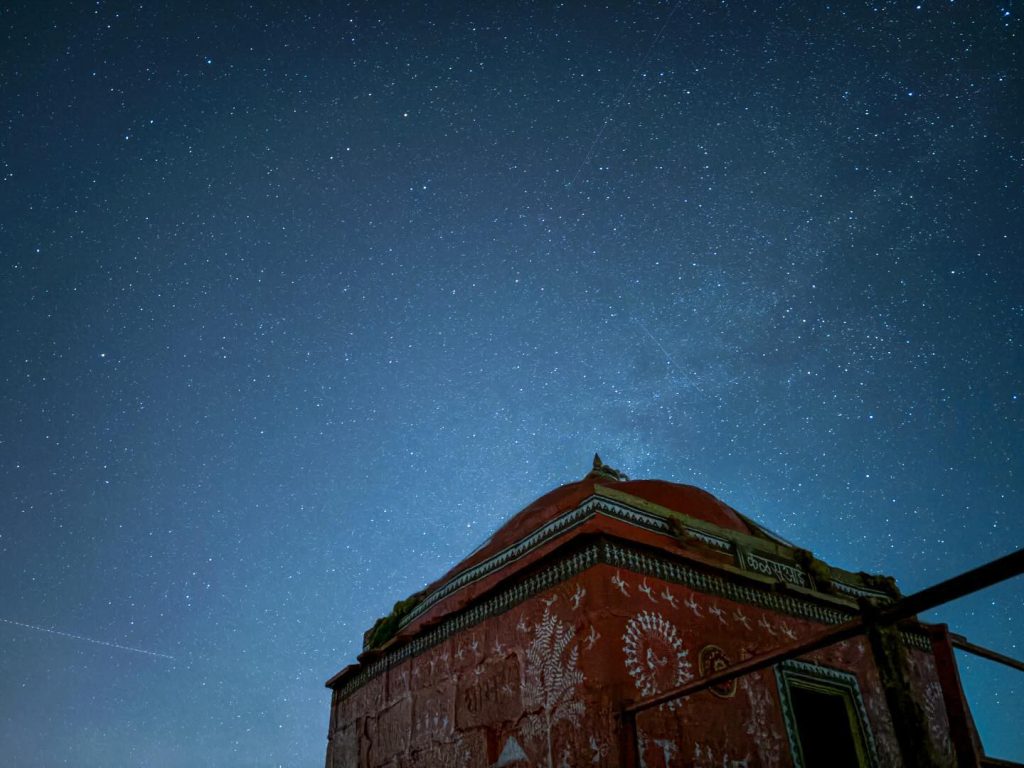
<point x="299" y="301"/>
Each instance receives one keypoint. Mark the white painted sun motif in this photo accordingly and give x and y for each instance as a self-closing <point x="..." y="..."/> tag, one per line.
<point x="655" y="657"/>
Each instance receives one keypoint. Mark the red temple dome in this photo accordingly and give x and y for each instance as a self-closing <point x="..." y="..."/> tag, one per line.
<point x="671" y="517"/>
<point x="688" y="500"/>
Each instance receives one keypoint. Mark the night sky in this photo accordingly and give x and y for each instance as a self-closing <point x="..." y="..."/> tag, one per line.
<point x="300" y="301"/>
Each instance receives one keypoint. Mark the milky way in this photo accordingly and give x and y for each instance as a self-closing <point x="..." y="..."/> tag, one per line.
<point x="301" y="300"/>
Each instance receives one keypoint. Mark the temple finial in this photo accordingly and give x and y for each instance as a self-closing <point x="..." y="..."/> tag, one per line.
<point x="602" y="469"/>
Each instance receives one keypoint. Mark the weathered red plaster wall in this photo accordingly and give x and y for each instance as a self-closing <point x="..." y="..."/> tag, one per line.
<point x="925" y="680"/>
<point x="547" y="676"/>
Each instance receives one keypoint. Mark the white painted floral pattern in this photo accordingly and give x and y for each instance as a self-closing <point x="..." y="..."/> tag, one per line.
<point x="550" y="679"/>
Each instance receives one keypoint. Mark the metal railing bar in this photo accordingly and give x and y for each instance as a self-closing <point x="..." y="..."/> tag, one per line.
<point x="961" y="642"/>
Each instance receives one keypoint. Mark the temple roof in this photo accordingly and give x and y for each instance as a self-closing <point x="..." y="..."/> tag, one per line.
<point x="676" y="520"/>
<point x="560" y="516"/>
<point x="685" y="499"/>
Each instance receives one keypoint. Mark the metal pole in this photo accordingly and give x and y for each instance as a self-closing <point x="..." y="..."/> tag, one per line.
<point x="961" y="642"/>
<point x="983" y="576"/>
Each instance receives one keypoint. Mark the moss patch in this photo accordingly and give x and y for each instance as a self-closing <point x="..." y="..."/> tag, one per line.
<point x="387" y="626"/>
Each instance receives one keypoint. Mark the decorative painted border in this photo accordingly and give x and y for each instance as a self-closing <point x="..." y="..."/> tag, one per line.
<point x="617" y="555"/>
<point x="498" y="604"/>
<point x="551" y="530"/>
<point x="914" y="640"/>
<point x="858" y="592"/>
<point x="641" y="562"/>
<point x="509" y="555"/>
<point x="844" y="682"/>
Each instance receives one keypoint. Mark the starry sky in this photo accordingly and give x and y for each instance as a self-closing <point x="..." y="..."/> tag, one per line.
<point x="299" y="301"/>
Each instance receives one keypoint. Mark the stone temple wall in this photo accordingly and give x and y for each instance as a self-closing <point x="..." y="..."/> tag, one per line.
<point x="540" y="684"/>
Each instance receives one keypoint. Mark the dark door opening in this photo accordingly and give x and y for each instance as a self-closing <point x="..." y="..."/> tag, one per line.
<point x="825" y="728"/>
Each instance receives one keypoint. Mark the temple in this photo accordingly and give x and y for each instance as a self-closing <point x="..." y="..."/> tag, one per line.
<point x="618" y="622"/>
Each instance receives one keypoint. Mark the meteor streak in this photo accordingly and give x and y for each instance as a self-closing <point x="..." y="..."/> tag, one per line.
<point x="87" y="639"/>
